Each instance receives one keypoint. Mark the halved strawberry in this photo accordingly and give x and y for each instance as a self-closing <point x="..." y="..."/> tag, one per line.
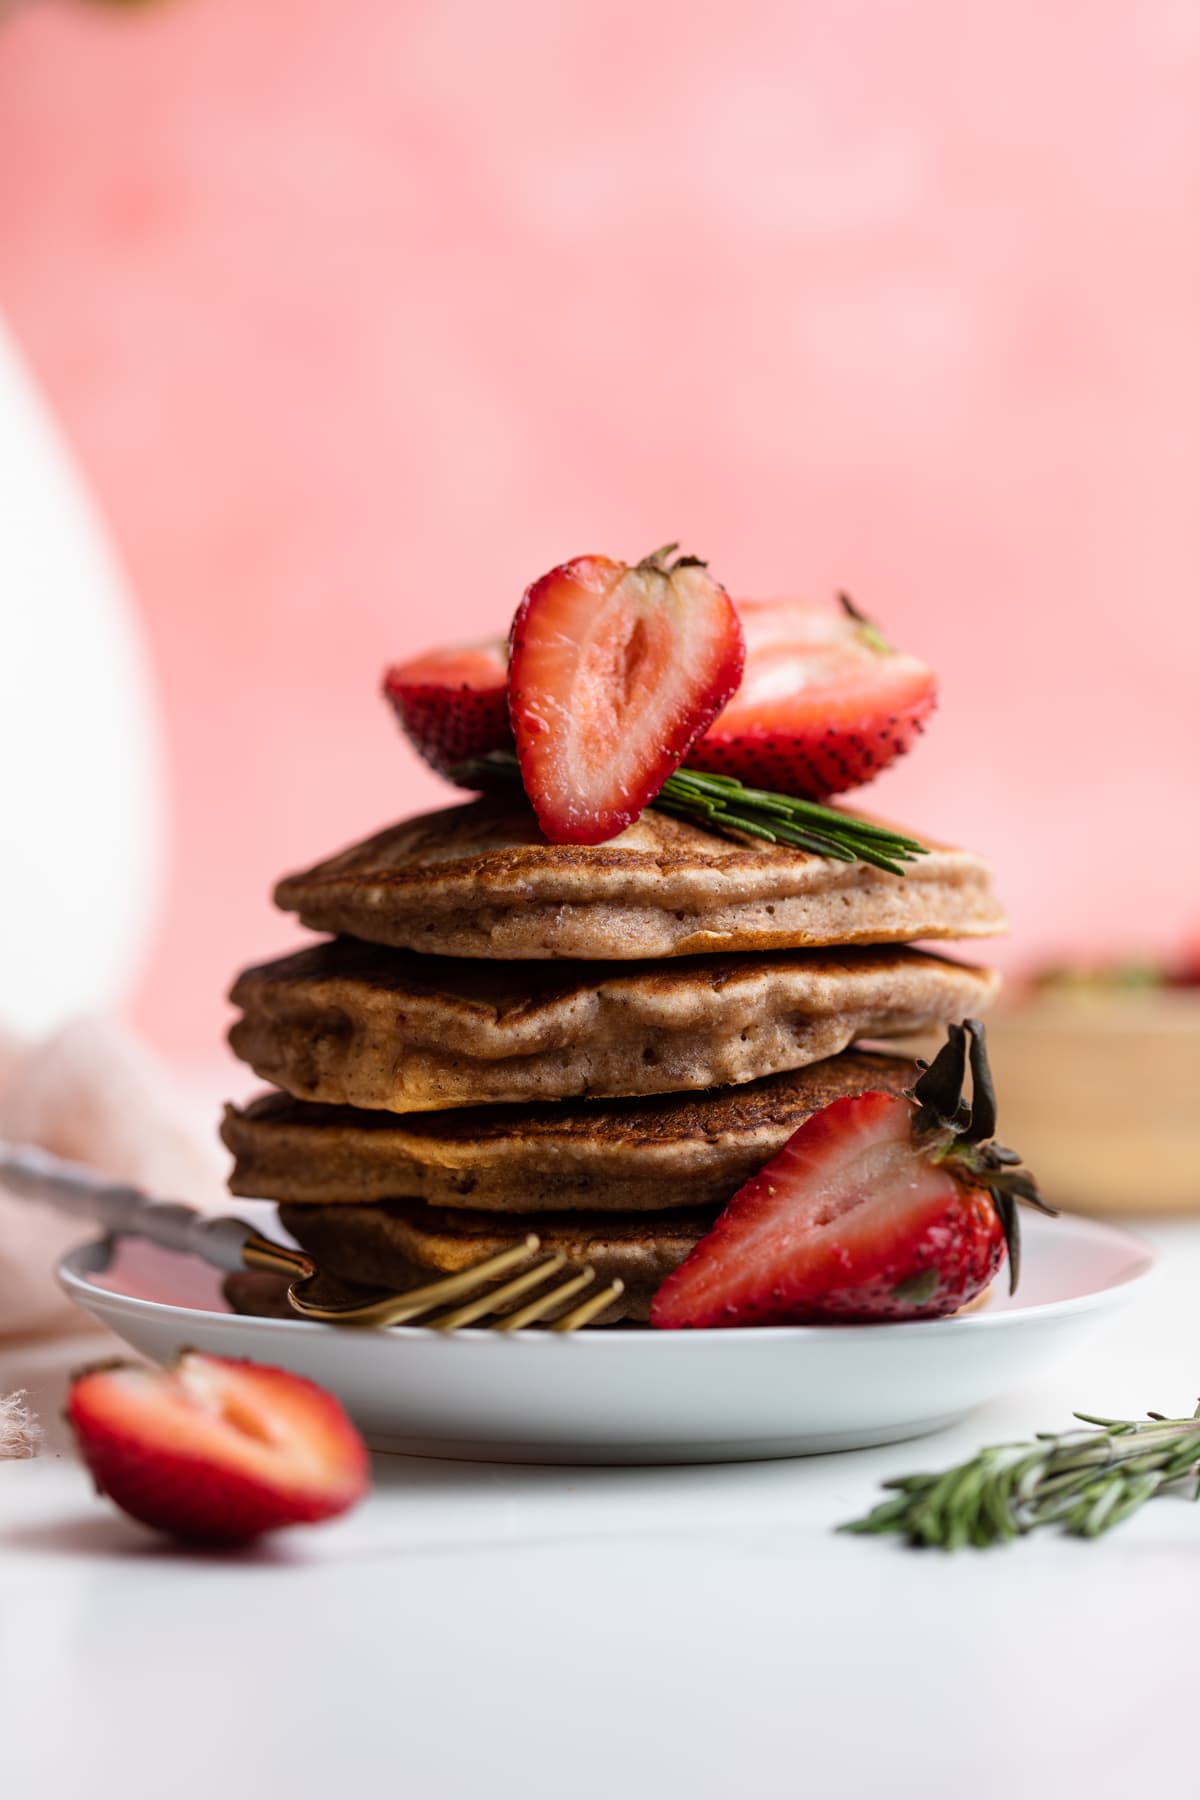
<point x="215" y="1450"/>
<point x="614" y="672"/>
<point x="879" y="1207"/>
<point x="825" y="703"/>
<point x="453" y="704"/>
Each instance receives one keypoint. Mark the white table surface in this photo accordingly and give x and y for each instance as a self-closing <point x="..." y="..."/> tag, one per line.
<point x="484" y="1630"/>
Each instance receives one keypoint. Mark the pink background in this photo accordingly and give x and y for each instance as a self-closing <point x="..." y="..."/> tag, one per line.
<point x="361" y="316"/>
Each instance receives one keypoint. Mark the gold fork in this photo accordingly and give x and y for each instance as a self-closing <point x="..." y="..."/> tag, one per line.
<point x="473" y="1287"/>
<point x="233" y="1245"/>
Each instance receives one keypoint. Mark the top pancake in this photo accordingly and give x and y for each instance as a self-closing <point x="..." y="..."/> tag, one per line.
<point x="480" y="880"/>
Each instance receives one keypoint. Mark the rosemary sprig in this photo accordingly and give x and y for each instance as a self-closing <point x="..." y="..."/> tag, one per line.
<point x="722" y="804"/>
<point x="1085" y="1482"/>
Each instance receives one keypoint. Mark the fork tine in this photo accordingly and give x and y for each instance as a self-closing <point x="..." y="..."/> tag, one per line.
<point x="397" y="1309"/>
<point x="474" y="1288"/>
<point x="584" y="1313"/>
<point x="490" y="1302"/>
<point x="537" y="1309"/>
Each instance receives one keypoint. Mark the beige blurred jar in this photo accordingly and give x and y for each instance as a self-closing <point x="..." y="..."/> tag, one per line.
<point x="1100" y="1092"/>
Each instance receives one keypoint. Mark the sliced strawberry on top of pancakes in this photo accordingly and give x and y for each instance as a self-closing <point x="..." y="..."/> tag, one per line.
<point x="825" y="703"/>
<point x="453" y="704"/>
<point x="615" y="670"/>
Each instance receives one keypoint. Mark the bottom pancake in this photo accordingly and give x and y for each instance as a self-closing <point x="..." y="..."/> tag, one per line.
<point x="400" y="1243"/>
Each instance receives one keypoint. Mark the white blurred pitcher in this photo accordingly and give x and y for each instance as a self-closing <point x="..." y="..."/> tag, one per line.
<point x="81" y="784"/>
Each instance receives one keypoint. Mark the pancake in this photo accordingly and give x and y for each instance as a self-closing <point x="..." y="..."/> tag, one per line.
<point x="380" y="1246"/>
<point x="480" y="880"/>
<point x="350" y="1024"/>
<point x="362" y="1250"/>
<point x="649" y="1155"/>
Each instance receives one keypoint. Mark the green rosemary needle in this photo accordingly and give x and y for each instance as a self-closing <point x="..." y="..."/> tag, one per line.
<point x="722" y="804"/>
<point x="1085" y="1482"/>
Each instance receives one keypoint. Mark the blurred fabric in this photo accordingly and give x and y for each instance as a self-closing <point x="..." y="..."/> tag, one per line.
<point x="81" y="802"/>
<point x="94" y="1094"/>
<point x="361" y="317"/>
<point x="21" y="1434"/>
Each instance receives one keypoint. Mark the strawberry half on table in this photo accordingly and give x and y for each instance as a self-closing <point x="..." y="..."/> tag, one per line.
<point x="614" y="671"/>
<point x="880" y="1207"/>
<point x="216" y="1451"/>
<point x="825" y="702"/>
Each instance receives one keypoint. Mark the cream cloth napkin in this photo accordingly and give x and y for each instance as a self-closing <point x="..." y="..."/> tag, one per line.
<point x="94" y="1093"/>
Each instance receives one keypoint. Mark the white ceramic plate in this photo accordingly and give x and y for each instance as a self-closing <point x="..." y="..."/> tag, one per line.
<point x="640" y="1396"/>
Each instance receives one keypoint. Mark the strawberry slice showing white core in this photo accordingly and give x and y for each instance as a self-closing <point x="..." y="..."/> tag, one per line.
<point x="855" y="1218"/>
<point x="615" y="671"/>
<point x="216" y="1450"/>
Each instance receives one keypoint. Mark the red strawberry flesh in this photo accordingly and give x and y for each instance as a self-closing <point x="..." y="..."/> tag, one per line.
<point x="614" y="672"/>
<point x="452" y="704"/>
<point x="824" y="704"/>
<point x="852" y="1220"/>
<point x="217" y="1451"/>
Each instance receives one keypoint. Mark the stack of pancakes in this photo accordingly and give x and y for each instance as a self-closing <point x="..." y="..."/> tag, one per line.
<point x="505" y="1035"/>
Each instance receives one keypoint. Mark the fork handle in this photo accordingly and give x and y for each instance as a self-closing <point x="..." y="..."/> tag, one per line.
<point x="70" y="1187"/>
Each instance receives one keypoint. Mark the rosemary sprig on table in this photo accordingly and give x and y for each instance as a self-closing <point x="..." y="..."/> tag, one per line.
<point x="1085" y="1482"/>
<point x="722" y="804"/>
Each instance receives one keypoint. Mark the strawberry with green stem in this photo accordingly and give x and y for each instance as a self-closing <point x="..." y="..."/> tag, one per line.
<point x="878" y="1208"/>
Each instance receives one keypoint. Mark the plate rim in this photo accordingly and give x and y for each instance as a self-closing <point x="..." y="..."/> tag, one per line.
<point x="72" y="1273"/>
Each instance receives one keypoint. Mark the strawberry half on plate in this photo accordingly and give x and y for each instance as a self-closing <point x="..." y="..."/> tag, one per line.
<point x="215" y="1450"/>
<point x="453" y="704"/>
<point x="614" y="672"/>
<point x="879" y="1207"/>
<point x="825" y="703"/>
